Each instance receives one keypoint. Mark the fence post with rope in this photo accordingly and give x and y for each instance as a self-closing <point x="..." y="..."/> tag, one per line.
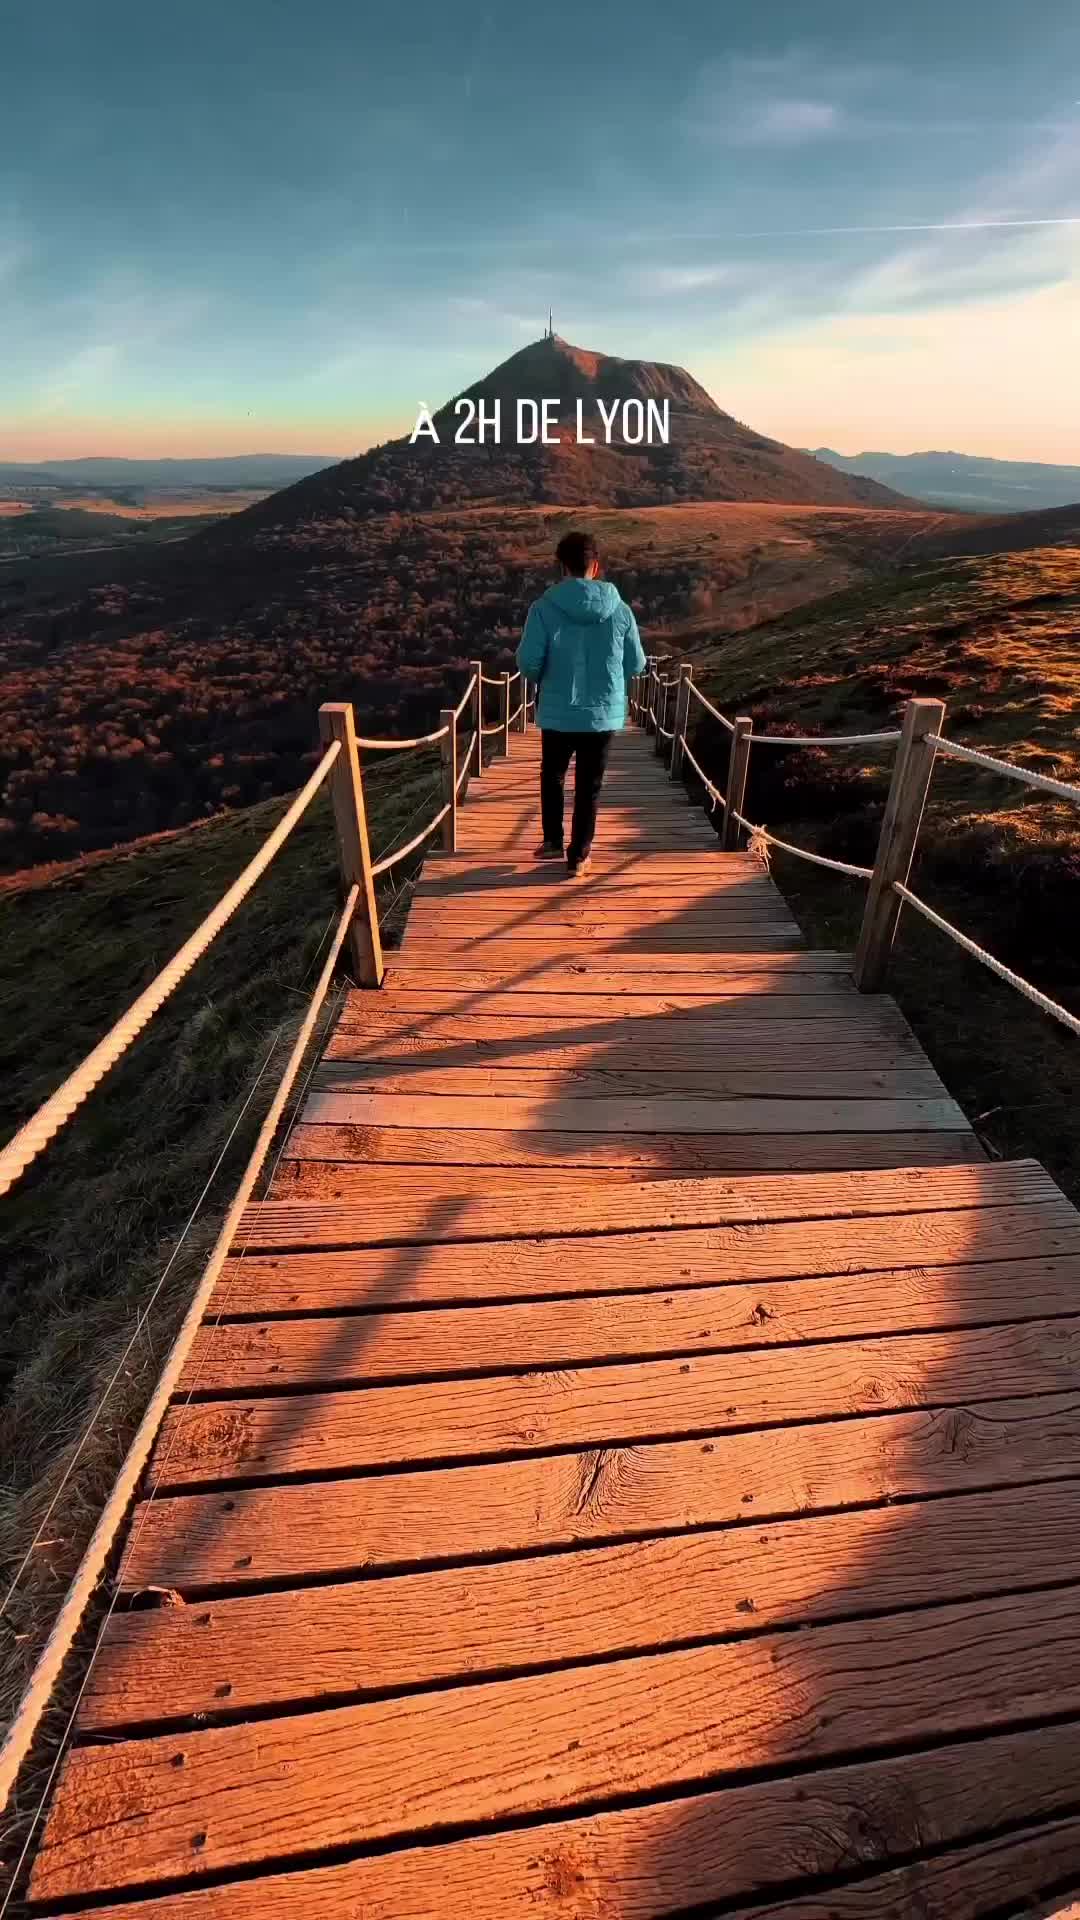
<point x="682" y="710"/>
<point x="477" y="766"/>
<point x="738" y="767"/>
<point x="504" y="745"/>
<point x="448" y="748"/>
<point x="336" y="722"/>
<point x="912" y="769"/>
<point x="662" y="691"/>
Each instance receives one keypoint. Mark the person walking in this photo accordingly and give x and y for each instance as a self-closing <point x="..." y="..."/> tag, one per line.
<point x="581" y="647"/>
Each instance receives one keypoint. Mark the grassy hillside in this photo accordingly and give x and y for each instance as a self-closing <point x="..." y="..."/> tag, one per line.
<point x="88" y="1232"/>
<point x="182" y="678"/>
<point x="997" y="637"/>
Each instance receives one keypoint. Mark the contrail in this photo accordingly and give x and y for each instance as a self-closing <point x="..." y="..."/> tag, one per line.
<point x="913" y="226"/>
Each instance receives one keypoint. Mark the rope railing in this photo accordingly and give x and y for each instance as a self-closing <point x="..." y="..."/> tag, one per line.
<point x="393" y="859"/>
<point x="918" y="742"/>
<point x="1032" y="993"/>
<point x="802" y="853"/>
<point x="467" y="762"/>
<point x="92" y="1565"/>
<point x="709" y="708"/>
<point x="23" y="1149"/>
<point x="465" y="698"/>
<point x="399" y="746"/>
<point x="891" y="735"/>
<point x="714" y="793"/>
<point x="953" y="750"/>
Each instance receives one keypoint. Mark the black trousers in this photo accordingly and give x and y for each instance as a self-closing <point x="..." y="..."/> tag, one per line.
<point x="590" y="753"/>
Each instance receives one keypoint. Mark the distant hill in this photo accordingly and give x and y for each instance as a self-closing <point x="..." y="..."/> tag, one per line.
<point x="965" y="481"/>
<point x="710" y="455"/>
<point x="231" y="470"/>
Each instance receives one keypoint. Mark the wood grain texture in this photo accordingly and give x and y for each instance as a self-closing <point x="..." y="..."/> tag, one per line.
<point x="909" y="1082"/>
<point x="512" y="960"/>
<point x="708" y="1152"/>
<point x="633" y="1113"/>
<point x="695" y="1258"/>
<point x="326" y="1351"/>
<point x="262" y="1438"/>
<point x="580" y="976"/>
<point x="341" y="1527"/>
<point x="673" y="1463"/>
<point x="373" y="1636"/>
<point x="405" y="1207"/>
<point x="645" y="1862"/>
<point x="639" y="1000"/>
<point x="554" y="1740"/>
<point x="439" y="1014"/>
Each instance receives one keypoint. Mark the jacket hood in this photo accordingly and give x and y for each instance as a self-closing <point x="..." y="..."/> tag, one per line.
<point x="586" y="602"/>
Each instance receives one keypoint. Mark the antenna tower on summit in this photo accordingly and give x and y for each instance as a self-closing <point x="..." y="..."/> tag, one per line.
<point x="550" y="332"/>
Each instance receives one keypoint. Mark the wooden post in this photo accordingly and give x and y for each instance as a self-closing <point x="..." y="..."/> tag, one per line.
<point x="650" y="674"/>
<point x="682" y="715"/>
<point x="661" y="718"/>
<point x="506" y="713"/>
<point x="522" y="719"/>
<point x="477" y="767"/>
<point x="354" y="850"/>
<point x="448" y="748"/>
<point x="912" y="769"/>
<point x="738" y="767"/>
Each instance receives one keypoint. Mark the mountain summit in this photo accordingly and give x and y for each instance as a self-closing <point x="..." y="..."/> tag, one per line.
<point x="553" y="369"/>
<point x="709" y="455"/>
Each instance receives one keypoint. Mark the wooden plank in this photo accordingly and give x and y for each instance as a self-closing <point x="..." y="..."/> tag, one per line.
<point x="508" y="958"/>
<point x="372" y="1636"/>
<point x="910" y="1082"/>
<point x="264" y="1438"/>
<point x="989" y="1875"/>
<point x="644" y="1862"/>
<point x="343" y="1527"/>
<point x="631" y="1114"/>
<point x="443" y="1014"/>
<point x="417" y="1208"/>
<point x="251" y="1357"/>
<point x="576" y="976"/>
<point x="646" y="1003"/>
<point x="453" y="1272"/>
<point x="708" y="1152"/>
<point x="644" y="941"/>
<point x="553" y="1740"/>
<point x="609" y="1048"/>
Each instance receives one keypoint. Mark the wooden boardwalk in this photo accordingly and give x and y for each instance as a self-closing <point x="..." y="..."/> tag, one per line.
<point x="631" y="1465"/>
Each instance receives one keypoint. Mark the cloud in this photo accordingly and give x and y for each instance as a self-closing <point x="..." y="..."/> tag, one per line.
<point x="784" y="100"/>
<point x="657" y="279"/>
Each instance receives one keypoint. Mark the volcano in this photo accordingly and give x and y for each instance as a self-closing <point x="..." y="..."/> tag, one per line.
<point x="709" y="455"/>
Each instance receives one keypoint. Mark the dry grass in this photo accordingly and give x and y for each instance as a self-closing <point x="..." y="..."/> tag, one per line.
<point x="90" y="1230"/>
<point x="998" y="639"/>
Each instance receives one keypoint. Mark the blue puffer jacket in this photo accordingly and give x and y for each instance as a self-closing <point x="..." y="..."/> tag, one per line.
<point x="581" y="646"/>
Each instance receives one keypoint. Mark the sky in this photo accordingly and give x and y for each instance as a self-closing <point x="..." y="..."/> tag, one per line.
<point x="248" y="225"/>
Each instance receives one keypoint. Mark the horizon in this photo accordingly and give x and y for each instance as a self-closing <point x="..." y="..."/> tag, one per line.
<point x="299" y="230"/>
